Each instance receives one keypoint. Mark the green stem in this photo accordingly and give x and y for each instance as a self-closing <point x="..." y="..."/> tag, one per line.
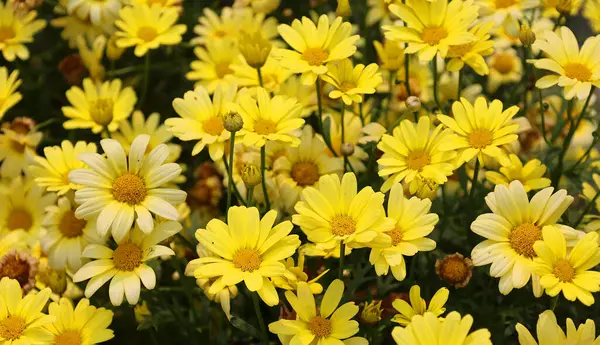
<point x="586" y="154"/>
<point x="342" y="256"/>
<point x="320" y="118"/>
<point x="435" y="82"/>
<point x="263" y="168"/>
<point x="260" y="78"/>
<point x="259" y="317"/>
<point x="235" y="189"/>
<point x="407" y="74"/>
<point x="541" y="103"/>
<point x="249" y="195"/>
<point x="390" y="98"/>
<point x="229" y="171"/>
<point x="146" y="79"/>
<point x="360" y="112"/>
<point x="445" y="208"/>
<point x="554" y="302"/>
<point x="460" y="82"/>
<point x="474" y="182"/>
<point x="587" y="210"/>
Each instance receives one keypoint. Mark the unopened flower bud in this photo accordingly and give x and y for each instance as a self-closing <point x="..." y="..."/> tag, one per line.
<point x="564" y="7"/>
<point x="72" y="68"/>
<point x="526" y="35"/>
<point x="251" y="175"/>
<point x="371" y="313"/>
<point x="232" y="121"/>
<point x="413" y="104"/>
<point x="347" y="149"/>
<point x="343" y="8"/>
<point x="113" y="53"/>
<point x="255" y="48"/>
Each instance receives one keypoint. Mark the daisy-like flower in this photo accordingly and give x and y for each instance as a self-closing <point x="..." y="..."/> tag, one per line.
<point x="53" y="171"/>
<point x="428" y="328"/>
<point x="202" y="119"/>
<point x="531" y="174"/>
<point x="21" y="317"/>
<point x="215" y="64"/>
<point x="67" y="236"/>
<point x="418" y="306"/>
<point x="148" y="28"/>
<point x="269" y="119"/>
<point x="413" y="224"/>
<point x="379" y="12"/>
<point x="315" y="45"/>
<point x="248" y="249"/>
<point x="295" y="275"/>
<point x="505" y="67"/>
<point x="16" y="30"/>
<point x="92" y="57"/>
<point x="472" y="53"/>
<point x="20" y="266"/>
<point x="390" y="54"/>
<point x="84" y="324"/>
<point x="480" y="129"/>
<point x="73" y="27"/>
<point x="335" y="212"/>
<point x="511" y="230"/>
<point x="352" y="82"/>
<point x="433" y="26"/>
<point x="126" y="266"/>
<point x="327" y="325"/>
<point x="18" y="141"/>
<point x="570" y="273"/>
<point x="591" y="12"/>
<point x="9" y="96"/>
<point x="118" y="187"/>
<point x="273" y="77"/>
<point x="96" y="12"/>
<point x="98" y="106"/>
<point x="455" y="269"/>
<point x="498" y="11"/>
<point x="352" y="134"/>
<point x="306" y="95"/>
<point x="549" y="332"/>
<point x="415" y="151"/>
<point x="164" y="4"/>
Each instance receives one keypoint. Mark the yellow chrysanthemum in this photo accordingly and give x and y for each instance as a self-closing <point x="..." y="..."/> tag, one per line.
<point x="416" y="151"/>
<point x="531" y="174"/>
<point x="295" y="275"/>
<point x="148" y="28"/>
<point x="98" y="106"/>
<point x="126" y="265"/>
<point x="432" y="26"/>
<point x="16" y="30"/>
<point x="472" y="53"/>
<point x="418" y="306"/>
<point x="570" y="273"/>
<point x="315" y="45"/>
<point x="480" y="129"/>
<point x="505" y="67"/>
<point x="591" y="12"/>
<point x="248" y="249"/>
<point x="118" y="187"/>
<point x="577" y="70"/>
<point x="215" y="64"/>
<point x="352" y="134"/>
<point x="327" y="325"/>
<point x="82" y="325"/>
<point x="413" y="224"/>
<point x="351" y="82"/>
<point x="498" y="10"/>
<point x="96" y="12"/>
<point x="274" y="76"/>
<point x="9" y="96"/>
<point x="17" y="145"/>
<point x="549" y="332"/>
<point x="390" y="54"/>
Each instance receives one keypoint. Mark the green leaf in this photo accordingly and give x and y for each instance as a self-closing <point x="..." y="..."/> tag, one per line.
<point x="244" y="326"/>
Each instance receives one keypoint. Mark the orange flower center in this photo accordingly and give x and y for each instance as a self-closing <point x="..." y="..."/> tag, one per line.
<point x="417" y="160"/>
<point x="6" y="33"/>
<point x="68" y="338"/>
<point x="16" y="146"/>
<point x="70" y="226"/>
<point x="505" y="3"/>
<point x="222" y="69"/>
<point x="433" y="35"/>
<point x="19" y="219"/>
<point x="454" y="270"/>
<point x="129" y="188"/>
<point x="347" y="86"/>
<point x="396" y="234"/>
<point x="578" y="71"/>
<point x="213" y="126"/>
<point x="564" y="271"/>
<point x="101" y="111"/>
<point x="315" y="56"/>
<point x="15" y="268"/>
<point x="460" y="50"/>
<point x="504" y="63"/>
<point x="127" y="257"/>
<point x="12" y="327"/>
<point x="343" y="225"/>
<point x="480" y="138"/>
<point x="147" y="33"/>
<point x="523" y="237"/>
<point x="305" y="173"/>
<point x="265" y="127"/>
<point x="319" y="326"/>
<point x="247" y="260"/>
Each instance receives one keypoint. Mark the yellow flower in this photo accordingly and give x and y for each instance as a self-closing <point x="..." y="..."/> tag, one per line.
<point x="274" y="76"/>
<point x="427" y="329"/>
<point x="480" y="129"/>
<point x="552" y="8"/>
<point x="73" y="27"/>
<point x="371" y="313"/>
<point x="9" y="96"/>
<point x="548" y="332"/>
<point x="315" y="45"/>
<point x="498" y="10"/>
<point x="591" y="12"/>
<point x="413" y="224"/>
<point x="215" y="64"/>
<point x="16" y="30"/>
<point x="255" y="48"/>
<point x="322" y="250"/>
<point x="98" y="106"/>
<point x="259" y="6"/>
<point x="120" y="186"/>
<point x="92" y="58"/>
<point x="391" y="55"/>
<point x="505" y="68"/>
<point x="472" y="53"/>
<point x="576" y="70"/>
<point x="306" y="95"/>
<point x="415" y="151"/>
<point x="572" y="273"/>
<point x="96" y="12"/>
<point x="164" y="4"/>
<point x="379" y="12"/>
<point x="21" y="317"/>
<point x="17" y="145"/>
<point x="295" y="275"/>
<point x="351" y="82"/>
<point x="126" y="265"/>
<point x="418" y="306"/>
<point x="84" y="324"/>
<point x="433" y="26"/>
<point x="327" y="325"/>
<point x="246" y="249"/>
<point x="148" y="28"/>
<point x="335" y="212"/>
<point x="531" y="175"/>
<point x="353" y="133"/>
<point x="589" y="191"/>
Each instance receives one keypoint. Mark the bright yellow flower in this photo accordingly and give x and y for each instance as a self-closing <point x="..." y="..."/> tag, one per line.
<point x="379" y="12"/>
<point x="549" y="332"/>
<point x="92" y="58"/>
<point x="73" y="27"/>
<point x="391" y="55"/>
<point x="9" y="96"/>
<point x="472" y="53"/>
<point x="16" y="30"/>
<point x="148" y="28"/>
<point x="352" y="82"/>
<point x="418" y="306"/>
<point x="164" y="4"/>
<point x="295" y="275"/>
<point x="322" y="250"/>
<point x="505" y="68"/>
<point x="531" y="174"/>
<point x="96" y="12"/>
<point x="84" y="324"/>
<point x="305" y="94"/>
<point x="274" y="76"/>
<point x="591" y="12"/>
<point x="215" y="64"/>
<point x="17" y="145"/>
<point x="498" y="10"/>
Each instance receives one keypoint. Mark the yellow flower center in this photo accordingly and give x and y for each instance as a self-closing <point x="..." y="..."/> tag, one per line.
<point x="265" y="127"/>
<point x="505" y="3"/>
<point x="343" y="225"/>
<point x="70" y="226"/>
<point x="504" y="63"/>
<point x="220" y="33"/>
<point x="68" y="338"/>
<point x="523" y="237"/>
<point x="15" y="268"/>
<point x="213" y="126"/>
<point x="460" y="50"/>
<point x="417" y="160"/>
<point x="12" y="327"/>
<point x="101" y="111"/>
<point x="578" y="71"/>
<point x="6" y="33"/>
<point x="347" y="86"/>
<point x="480" y="138"/>
<point x="222" y="69"/>
<point x="16" y="146"/>
<point x="305" y="173"/>
<point x="129" y="188"/>
<point x="19" y="219"/>
<point x="433" y="35"/>
<point x="319" y="326"/>
<point x="315" y="56"/>
<point x="396" y="234"/>
<point x="453" y="270"/>
<point x="147" y="33"/>
<point x="247" y="260"/>
<point x="127" y="257"/>
<point x="564" y="271"/>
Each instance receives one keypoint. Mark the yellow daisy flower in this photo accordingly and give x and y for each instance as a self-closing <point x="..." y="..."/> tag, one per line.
<point x="575" y="69"/>
<point x="351" y="82"/>
<point x="472" y="53"/>
<point x="379" y="11"/>
<point x="591" y="12"/>
<point x="352" y="134"/>
<point x="96" y="12"/>
<point x="322" y="250"/>
<point x="390" y="54"/>
<point x="21" y="317"/>
<point x="73" y="27"/>
<point x="480" y="129"/>
<point x="295" y="275"/>
<point x="16" y="31"/>
<point x="416" y="151"/>
<point x="84" y="324"/>
<point x="120" y="186"/>
<point x="548" y="332"/>
<point x="531" y="174"/>
<point x="570" y="273"/>
<point x="505" y="67"/>
<point x="215" y="64"/>
<point x="427" y="329"/>
<point x="9" y="96"/>
<point x="126" y="265"/>
<point x="498" y="10"/>
<point x="148" y="28"/>
<point x="98" y="106"/>
<point x="418" y="306"/>
<point x="18" y="142"/>
<point x="327" y="325"/>
<point x="413" y="223"/>
<point x="305" y="94"/>
<point x="433" y="26"/>
<point x="274" y="76"/>
<point x="164" y="4"/>
<point x="92" y="58"/>
<point x="248" y="249"/>
<point x="335" y="212"/>
<point x="315" y="45"/>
